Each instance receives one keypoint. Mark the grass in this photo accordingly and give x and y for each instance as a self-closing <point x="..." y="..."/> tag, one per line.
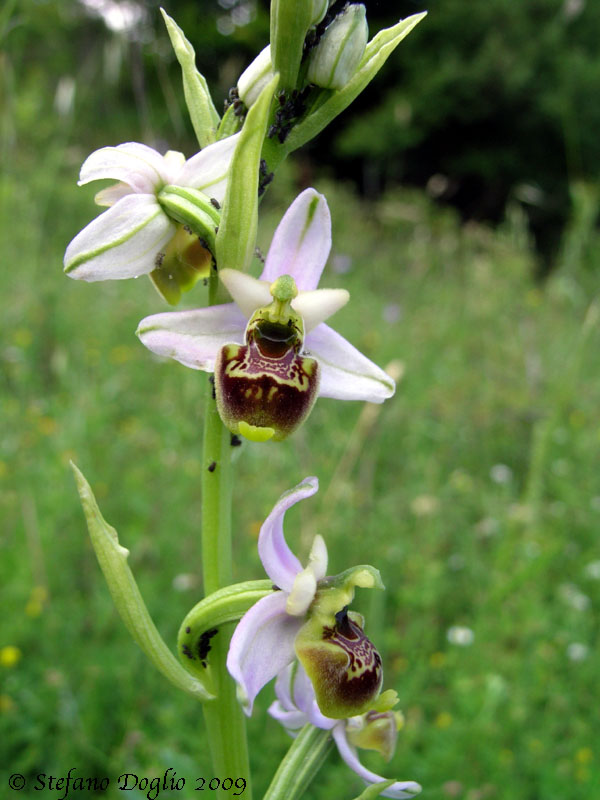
<point x="475" y="490"/>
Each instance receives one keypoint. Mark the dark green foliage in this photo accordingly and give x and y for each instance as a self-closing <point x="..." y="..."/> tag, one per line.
<point x="500" y="98"/>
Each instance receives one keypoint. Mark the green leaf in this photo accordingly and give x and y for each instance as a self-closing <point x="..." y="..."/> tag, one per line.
<point x="204" y="115"/>
<point x="112" y="558"/>
<point x="290" y="22"/>
<point x="236" y="238"/>
<point x="374" y="790"/>
<point x="202" y="622"/>
<point x="376" y="54"/>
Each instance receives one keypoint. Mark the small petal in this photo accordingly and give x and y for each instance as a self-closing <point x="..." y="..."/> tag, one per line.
<point x="346" y="374"/>
<point x="318" y="558"/>
<point x="399" y="790"/>
<point x="295" y="693"/>
<point x="302" y="242"/>
<point x="283" y="687"/>
<point x="112" y="194"/>
<point x="137" y="165"/>
<point x="247" y="292"/>
<point x="122" y="242"/>
<point x="208" y="169"/>
<point x="317" y="305"/>
<point x="305" y="582"/>
<point x="194" y="338"/>
<point x="173" y="161"/>
<point x="280" y="564"/>
<point x="291" y="720"/>
<point x="302" y="594"/>
<point x="262" y="645"/>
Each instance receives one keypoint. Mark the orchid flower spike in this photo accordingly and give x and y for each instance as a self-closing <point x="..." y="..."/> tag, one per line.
<point x="270" y="350"/>
<point x="143" y="232"/>
<point x="306" y="617"/>
<point x="376" y="730"/>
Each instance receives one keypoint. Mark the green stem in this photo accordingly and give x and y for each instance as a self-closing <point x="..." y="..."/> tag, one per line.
<point x="223" y="716"/>
<point x="300" y="765"/>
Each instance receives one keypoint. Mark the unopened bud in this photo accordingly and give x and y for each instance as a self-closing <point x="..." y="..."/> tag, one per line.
<point x="334" y="60"/>
<point x="319" y="9"/>
<point x="255" y="77"/>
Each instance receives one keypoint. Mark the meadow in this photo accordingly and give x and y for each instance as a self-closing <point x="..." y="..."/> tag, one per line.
<point x="475" y="490"/>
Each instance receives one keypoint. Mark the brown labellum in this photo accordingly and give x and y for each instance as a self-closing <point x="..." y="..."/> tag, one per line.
<point x="343" y="665"/>
<point x="266" y="383"/>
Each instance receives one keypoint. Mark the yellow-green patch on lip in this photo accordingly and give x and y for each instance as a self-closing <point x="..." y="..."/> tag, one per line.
<point x="255" y="433"/>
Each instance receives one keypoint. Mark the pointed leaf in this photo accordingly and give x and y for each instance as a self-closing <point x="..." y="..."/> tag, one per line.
<point x="300" y="764"/>
<point x="112" y="558"/>
<point x="236" y="238"/>
<point x="229" y="125"/>
<point x="203" y="113"/>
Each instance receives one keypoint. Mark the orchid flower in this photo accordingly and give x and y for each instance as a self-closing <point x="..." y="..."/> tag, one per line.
<point x="134" y="236"/>
<point x="376" y="730"/>
<point x="270" y="349"/>
<point x="306" y="617"/>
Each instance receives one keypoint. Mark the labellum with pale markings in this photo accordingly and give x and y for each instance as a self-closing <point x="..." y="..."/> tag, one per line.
<point x="267" y="387"/>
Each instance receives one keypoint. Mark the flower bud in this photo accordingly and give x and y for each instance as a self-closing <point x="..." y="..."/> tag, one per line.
<point x="334" y="60"/>
<point x="319" y="9"/>
<point x="265" y="389"/>
<point x="342" y="663"/>
<point x="255" y="77"/>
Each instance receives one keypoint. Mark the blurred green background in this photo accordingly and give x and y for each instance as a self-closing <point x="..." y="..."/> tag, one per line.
<point x="475" y="489"/>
